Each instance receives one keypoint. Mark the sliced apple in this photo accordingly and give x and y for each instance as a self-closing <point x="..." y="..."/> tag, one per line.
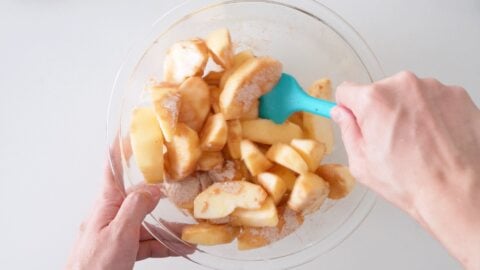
<point x="214" y="133"/>
<point x="209" y="161"/>
<point x="310" y="150"/>
<point x="265" y="216"/>
<point x="166" y="102"/>
<point x="252" y="113"/>
<point x="183" y="152"/>
<point x="234" y="138"/>
<point x="256" y="237"/>
<point x="185" y="59"/>
<point x="230" y="171"/>
<point x="253" y="158"/>
<point x="213" y="78"/>
<point x="246" y="84"/>
<point x="238" y="60"/>
<point x="296" y="118"/>
<point x="183" y="192"/>
<point x="222" y="198"/>
<point x="316" y="127"/>
<point x="340" y="180"/>
<point x="308" y="194"/>
<point x="147" y="144"/>
<point x="286" y="156"/>
<point x="220" y="44"/>
<point x="209" y="234"/>
<point x="195" y="102"/>
<point x="273" y="185"/>
<point x="288" y="176"/>
<point x="267" y="132"/>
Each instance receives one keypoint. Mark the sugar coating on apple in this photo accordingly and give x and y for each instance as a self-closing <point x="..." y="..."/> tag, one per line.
<point x="222" y="198"/>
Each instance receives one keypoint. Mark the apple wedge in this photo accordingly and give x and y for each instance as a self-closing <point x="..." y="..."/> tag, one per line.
<point x="232" y="170"/>
<point x="234" y="138"/>
<point x="213" y="78"/>
<point x="183" y="152"/>
<point x="214" y="133"/>
<point x="256" y="237"/>
<point x="182" y="193"/>
<point x="288" y="176"/>
<point x="310" y="150"/>
<point x="220" y="45"/>
<point x="267" y="132"/>
<point x="166" y="102"/>
<point x="253" y="158"/>
<point x="254" y="78"/>
<point x="340" y="180"/>
<point x="273" y="185"/>
<point x="185" y="59"/>
<point x="286" y="156"/>
<point x="316" y="127"/>
<point x="195" y="102"/>
<point x="209" y="234"/>
<point x="238" y="60"/>
<point x="210" y="160"/>
<point x="214" y="96"/>
<point x="308" y="194"/>
<point x="147" y="144"/>
<point x="265" y="216"/>
<point x="222" y="198"/>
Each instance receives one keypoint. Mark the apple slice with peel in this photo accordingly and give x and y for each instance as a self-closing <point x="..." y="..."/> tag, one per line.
<point x="265" y="216"/>
<point x="209" y="234"/>
<point x="222" y="198"/>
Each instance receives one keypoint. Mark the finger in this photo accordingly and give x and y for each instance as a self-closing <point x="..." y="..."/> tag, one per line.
<point x="348" y="94"/>
<point x="113" y="192"/>
<point x="110" y="200"/>
<point x="136" y="206"/>
<point x="155" y="249"/>
<point x="351" y="133"/>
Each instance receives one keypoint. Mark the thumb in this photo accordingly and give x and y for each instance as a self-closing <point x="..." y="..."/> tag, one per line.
<point x="351" y="133"/>
<point x="137" y="205"/>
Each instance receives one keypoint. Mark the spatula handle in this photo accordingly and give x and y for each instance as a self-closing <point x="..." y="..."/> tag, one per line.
<point x="316" y="106"/>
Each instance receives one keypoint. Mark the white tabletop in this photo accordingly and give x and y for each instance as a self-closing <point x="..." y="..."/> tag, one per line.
<point x="58" y="60"/>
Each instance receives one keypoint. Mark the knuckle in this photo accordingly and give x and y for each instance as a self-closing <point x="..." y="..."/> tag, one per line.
<point x="459" y="91"/>
<point x="373" y="94"/>
<point x="407" y="76"/>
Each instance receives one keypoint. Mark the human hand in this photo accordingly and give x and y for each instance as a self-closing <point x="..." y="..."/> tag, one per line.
<point x="113" y="237"/>
<point x="416" y="142"/>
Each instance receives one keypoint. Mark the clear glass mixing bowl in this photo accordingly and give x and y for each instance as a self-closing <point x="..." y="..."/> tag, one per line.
<point x="312" y="42"/>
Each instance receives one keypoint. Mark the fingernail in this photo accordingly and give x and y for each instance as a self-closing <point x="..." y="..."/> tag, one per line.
<point x="154" y="191"/>
<point x="337" y="114"/>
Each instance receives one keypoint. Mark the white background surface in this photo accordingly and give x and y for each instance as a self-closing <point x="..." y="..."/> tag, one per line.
<point x="58" y="60"/>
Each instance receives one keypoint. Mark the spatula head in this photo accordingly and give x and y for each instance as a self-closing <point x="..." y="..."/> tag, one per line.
<point x="280" y="103"/>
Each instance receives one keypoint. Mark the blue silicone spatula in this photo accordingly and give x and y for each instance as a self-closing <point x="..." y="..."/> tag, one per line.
<point x="288" y="97"/>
